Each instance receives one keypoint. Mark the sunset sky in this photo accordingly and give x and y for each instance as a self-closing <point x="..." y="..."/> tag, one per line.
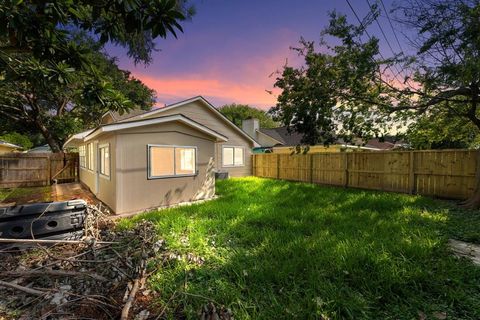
<point x="230" y="49"/>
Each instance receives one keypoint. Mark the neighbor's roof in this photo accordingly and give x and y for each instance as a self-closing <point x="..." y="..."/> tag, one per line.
<point x="8" y="144"/>
<point x="282" y="135"/>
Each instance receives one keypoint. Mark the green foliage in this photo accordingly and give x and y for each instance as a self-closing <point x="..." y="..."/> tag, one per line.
<point x="350" y="89"/>
<point x="333" y="92"/>
<point x="54" y="78"/>
<point x="238" y="112"/>
<point x="57" y="100"/>
<point x="442" y="131"/>
<point x="44" y="27"/>
<point x="282" y="250"/>
<point x="18" y="139"/>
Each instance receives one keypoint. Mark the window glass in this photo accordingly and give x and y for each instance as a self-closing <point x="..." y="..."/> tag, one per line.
<point x="184" y="160"/>
<point x="90" y="156"/>
<point x="81" y="156"/>
<point x="162" y="161"/>
<point x="104" y="160"/>
<point x="238" y="152"/>
<point x="168" y="161"/>
<point x="227" y="156"/>
<point x="233" y="156"/>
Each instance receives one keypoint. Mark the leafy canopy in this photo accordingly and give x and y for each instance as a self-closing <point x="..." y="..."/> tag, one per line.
<point x="54" y="78"/>
<point x="18" y="139"/>
<point x="238" y="112"/>
<point x="351" y="89"/>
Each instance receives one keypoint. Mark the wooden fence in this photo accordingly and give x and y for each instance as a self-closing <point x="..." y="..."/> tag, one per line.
<point x="440" y="173"/>
<point x="37" y="169"/>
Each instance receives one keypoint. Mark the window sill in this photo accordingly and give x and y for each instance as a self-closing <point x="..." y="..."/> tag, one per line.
<point x="104" y="176"/>
<point x="173" y="176"/>
<point x="233" y="166"/>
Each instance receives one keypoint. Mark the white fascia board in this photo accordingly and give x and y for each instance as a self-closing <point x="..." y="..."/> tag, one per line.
<point x="208" y="104"/>
<point x="146" y="122"/>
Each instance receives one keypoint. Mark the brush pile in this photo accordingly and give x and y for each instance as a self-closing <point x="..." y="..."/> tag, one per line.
<point x="98" y="277"/>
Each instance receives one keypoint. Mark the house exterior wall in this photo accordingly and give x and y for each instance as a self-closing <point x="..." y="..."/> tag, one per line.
<point x="135" y="192"/>
<point x="197" y="111"/>
<point x="6" y="149"/>
<point x="106" y="190"/>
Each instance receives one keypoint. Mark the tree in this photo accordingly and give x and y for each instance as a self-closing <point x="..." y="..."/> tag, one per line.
<point x="18" y="139"/>
<point x="442" y="131"/>
<point x="365" y="94"/>
<point x="238" y="112"/>
<point x="59" y="101"/>
<point x="52" y="82"/>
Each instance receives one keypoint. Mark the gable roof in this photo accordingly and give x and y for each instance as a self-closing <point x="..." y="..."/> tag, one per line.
<point x="10" y="145"/>
<point x="144" y="122"/>
<point x="127" y="115"/>
<point x="281" y="134"/>
<point x="78" y="137"/>
<point x="289" y="140"/>
<point x="194" y="99"/>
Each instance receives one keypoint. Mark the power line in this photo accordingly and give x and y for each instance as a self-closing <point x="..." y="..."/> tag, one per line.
<point x="383" y="33"/>
<point x="391" y="25"/>
<point x="366" y="32"/>
<point x="381" y="29"/>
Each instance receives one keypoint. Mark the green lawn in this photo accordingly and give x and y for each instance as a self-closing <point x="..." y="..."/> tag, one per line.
<point x="22" y="195"/>
<point x="283" y="250"/>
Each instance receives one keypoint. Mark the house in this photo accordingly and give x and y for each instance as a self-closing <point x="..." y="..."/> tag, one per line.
<point x="142" y="160"/>
<point x="279" y="140"/>
<point x="40" y="149"/>
<point x="6" y="147"/>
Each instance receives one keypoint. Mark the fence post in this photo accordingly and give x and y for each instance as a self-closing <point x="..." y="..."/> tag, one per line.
<point x="411" y="175"/>
<point x="311" y="168"/>
<point x="345" y="166"/>
<point x="278" y="166"/>
<point x="49" y="170"/>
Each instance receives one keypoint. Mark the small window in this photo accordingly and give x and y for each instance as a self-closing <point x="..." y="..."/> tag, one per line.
<point x="233" y="156"/>
<point x="90" y="156"/>
<point x="171" y="161"/>
<point x="104" y="159"/>
<point x="81" y="156"/>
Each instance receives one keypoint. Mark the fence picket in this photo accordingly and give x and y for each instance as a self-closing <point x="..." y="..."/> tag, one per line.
<point x="442" y="173"/>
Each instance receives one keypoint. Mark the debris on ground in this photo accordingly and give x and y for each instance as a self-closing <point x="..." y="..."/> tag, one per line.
<point x="212" y="312"/>
<point x="102" y="276"/>
<point x="467" y="250"/>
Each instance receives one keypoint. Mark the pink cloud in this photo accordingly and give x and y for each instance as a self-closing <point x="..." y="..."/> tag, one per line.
<point x="173" y="88"/>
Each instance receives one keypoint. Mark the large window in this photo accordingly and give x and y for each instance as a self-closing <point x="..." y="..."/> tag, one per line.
<point x="233" y="156"/>
<point x="90" y="156"/>
<point x="171" y="161"/>
<point x="104" y="159"/>
<point x="81" y="156"/>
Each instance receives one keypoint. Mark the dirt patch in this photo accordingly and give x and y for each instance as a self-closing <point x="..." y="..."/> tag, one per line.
<point x="18" y="196"/>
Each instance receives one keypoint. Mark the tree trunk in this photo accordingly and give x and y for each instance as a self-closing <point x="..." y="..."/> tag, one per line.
<point x="52" y="142"/>
<point x="474" y="201"/>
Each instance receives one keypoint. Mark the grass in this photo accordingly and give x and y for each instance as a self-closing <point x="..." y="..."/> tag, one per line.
<point x="25" y="195"/>
<point x="283" y="250"/>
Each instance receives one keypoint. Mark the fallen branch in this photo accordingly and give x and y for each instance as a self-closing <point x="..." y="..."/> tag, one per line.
<point x="60" y="273"/>
<point x="21" y="288"/>
<point x="51" y="241"/>
<point x="131" y="296"/>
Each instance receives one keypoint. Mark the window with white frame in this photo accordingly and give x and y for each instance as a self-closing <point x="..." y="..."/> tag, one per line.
<point x="233" y="156"/>
<point x="104" y="159"/>
<point x="90" y="156"/>
<point x="171" y="161"/>
<point x="81" y="156"/>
